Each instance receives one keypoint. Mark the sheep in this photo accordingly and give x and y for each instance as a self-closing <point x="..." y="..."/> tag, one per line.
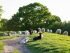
<point x="39" y="29"/>
<point x="58" y="31"/>
<point x="65" y="33"/>
<point x="43" y="29"/>
<point x="38" y="37"/>
<point x="34" y="31"/>
<point x="50" y="31"/>
<point x="27" y="32"/>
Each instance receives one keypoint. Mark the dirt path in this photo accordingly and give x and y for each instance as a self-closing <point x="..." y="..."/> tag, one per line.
<point x="11" y="44"/>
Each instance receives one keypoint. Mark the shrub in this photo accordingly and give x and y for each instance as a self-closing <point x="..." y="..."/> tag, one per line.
<point x="1" y="34"/>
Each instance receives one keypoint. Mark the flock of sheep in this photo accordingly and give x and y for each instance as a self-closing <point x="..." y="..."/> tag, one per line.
<point x="40" y="31"/>
<point x="58" y="31"/>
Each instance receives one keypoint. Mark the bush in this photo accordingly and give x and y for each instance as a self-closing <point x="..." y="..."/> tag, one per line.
<point x="2" y="34"/>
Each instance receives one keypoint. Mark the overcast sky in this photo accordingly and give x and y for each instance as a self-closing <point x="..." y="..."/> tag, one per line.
<point x="60" y="8"/>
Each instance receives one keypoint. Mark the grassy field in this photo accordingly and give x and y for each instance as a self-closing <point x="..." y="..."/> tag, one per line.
<point x="1" y="46"/>
<point x="50" y="43"/>
<point x="6" y="37"/>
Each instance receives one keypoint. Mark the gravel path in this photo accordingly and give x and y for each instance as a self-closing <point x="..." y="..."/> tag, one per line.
<point x="11" y="44"/>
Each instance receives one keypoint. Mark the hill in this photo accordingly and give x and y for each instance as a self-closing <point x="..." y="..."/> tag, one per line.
<point x="50" y="43"/>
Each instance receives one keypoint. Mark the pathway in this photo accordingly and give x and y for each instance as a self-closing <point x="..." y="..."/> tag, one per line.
<point x="11" y="44"/>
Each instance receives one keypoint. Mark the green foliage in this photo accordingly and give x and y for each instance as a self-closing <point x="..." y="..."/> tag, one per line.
<point x="50" y="43"/>
<point x="54" y="26"/>
<point x="16" y="51"/>
<point x="0" y="11"/>
<point x="1" y="46"/>
<point x="66" y="26"/>
<point x="33" y="16"/>
<point x="2" y="24"/>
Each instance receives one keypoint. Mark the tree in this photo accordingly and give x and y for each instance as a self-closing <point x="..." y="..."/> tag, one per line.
<point x="52" y="20"/>
<point x="56" y="25"/>
<point x="66" y="26"/>
<point x="0" y="12"/>
<point x="32" y="16"/>
<point x="2" y="23"/>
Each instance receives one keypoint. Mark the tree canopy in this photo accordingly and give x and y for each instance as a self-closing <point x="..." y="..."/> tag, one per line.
<point x="33" y="16"/>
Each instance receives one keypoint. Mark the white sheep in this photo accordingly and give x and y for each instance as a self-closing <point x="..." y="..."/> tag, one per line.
<point x="39" y="30"/>
<point x="34" y="31"/>
<point x="27" y="32"/>
<point x="43" y="29"/>
<point x="65" y="33"/>
<point x="50" y="31"/>
<point x="58" y="31"/>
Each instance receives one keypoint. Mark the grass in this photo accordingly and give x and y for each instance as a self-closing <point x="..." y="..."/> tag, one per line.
<point x="50" y="43"/>
<point x="1" y="46"/>
<point x="16" y="51"/>
<point x="7" y="37"/>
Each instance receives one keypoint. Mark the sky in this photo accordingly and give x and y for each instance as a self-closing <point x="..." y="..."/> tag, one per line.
<point x="60" y="8"/>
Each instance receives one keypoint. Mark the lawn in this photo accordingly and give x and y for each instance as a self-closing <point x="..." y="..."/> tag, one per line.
<point x="50" y="43"/>
<point x="1" y="46"/>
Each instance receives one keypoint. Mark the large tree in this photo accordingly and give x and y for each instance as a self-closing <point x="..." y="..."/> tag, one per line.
<point x="33" y="16"/>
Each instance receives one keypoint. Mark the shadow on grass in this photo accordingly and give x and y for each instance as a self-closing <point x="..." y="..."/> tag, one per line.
<point x="36" y="48"/>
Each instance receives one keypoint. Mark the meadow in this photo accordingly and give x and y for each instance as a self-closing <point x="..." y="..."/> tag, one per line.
<point x="50" y="43"/>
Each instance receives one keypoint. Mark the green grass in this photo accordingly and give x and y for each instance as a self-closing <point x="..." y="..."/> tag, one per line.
<point x="7" y="37"/>
<point x="1" y="46"/>
<point x="50" y="43"/>
<point x="16" y="51"/>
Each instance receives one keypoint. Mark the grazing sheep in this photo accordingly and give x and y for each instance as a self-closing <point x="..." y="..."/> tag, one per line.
<point x="43" y="29"/>
<point x="58" y="31"/>
<point x="65" y="33"/>
<point x="38" y="37"/>
<point x="27" y="32"/>
<point x="34" y="31"/>
<point x="50" y="31"/>
<point x="39" y="29"/>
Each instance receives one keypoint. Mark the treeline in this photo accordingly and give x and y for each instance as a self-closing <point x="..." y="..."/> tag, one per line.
<point x="64" y="26"/>
<point x="33" y="16"/>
